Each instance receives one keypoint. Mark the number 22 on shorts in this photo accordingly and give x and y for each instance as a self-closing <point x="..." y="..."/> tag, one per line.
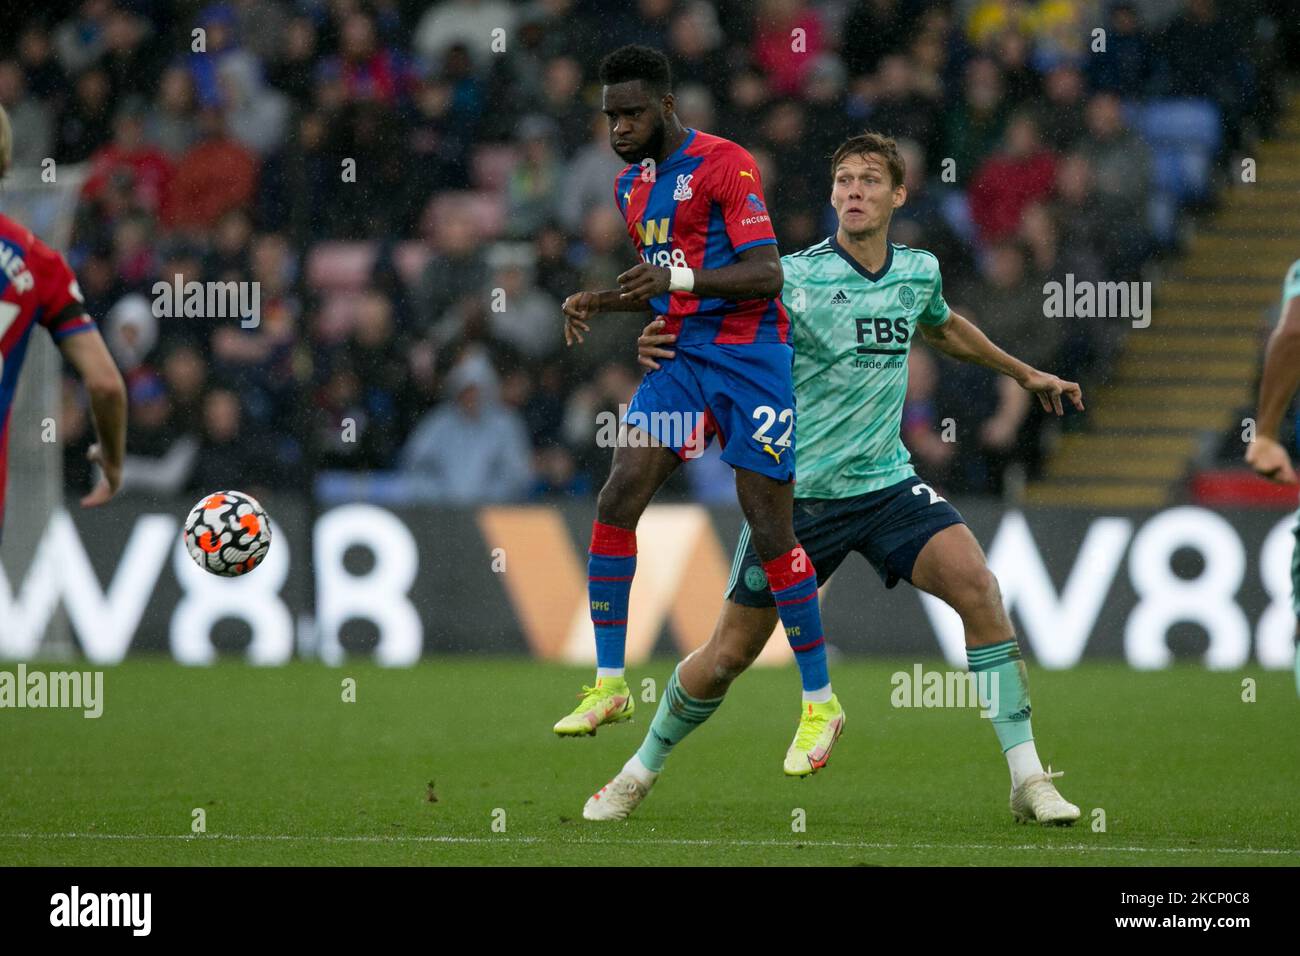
<point x="935" y="497"/>
<point x="768" y="416"/>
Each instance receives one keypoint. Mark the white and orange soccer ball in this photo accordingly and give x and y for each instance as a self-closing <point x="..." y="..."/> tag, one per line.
<point x="227" y="533"/>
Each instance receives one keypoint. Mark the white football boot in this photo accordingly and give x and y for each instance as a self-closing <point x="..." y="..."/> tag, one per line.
<point x="616" y="799"/>
<point x="1036" y="799"/>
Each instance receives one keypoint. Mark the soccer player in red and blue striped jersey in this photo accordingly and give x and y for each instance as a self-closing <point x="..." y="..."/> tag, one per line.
<point x="38" y="289"/>
<point x="695" y="211"/>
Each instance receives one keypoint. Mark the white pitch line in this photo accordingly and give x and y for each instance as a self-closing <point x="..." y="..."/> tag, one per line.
<point x="652" y="841"/>
<point x="267" y="838"/>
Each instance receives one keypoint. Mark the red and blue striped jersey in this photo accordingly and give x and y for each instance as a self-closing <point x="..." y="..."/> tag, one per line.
<point x="700" y="209"/>
<point x="36" y="288"/>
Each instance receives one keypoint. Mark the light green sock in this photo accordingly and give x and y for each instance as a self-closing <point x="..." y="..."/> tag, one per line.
<point x="679" y="713"/>
<point x="1011" y="717"/>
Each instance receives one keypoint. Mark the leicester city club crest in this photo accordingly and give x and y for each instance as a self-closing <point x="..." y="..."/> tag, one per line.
<point x="906" y="298"/>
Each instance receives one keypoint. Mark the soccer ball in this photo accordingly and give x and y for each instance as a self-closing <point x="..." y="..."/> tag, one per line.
<point x="227" y="533"/>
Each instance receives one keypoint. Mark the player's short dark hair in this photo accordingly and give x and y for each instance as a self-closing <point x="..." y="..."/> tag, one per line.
<point x="872" y="142"/>
<point x="636" y="62"/>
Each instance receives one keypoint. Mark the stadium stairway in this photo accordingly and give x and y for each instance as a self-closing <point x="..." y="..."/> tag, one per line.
<point x="1183" y="382"/>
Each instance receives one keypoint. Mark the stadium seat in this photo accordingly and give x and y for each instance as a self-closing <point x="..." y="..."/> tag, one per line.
<point x="487" y="210"/>
<point x="410" y="259"/>
<point x="1184" y="136"/>
<point x="340" y="266"/>
<point x="376" y="487"/>
<point x="955" y="208"/>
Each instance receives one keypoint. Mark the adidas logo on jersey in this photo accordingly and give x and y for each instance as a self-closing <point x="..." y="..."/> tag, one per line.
<point x="839" y="298"/>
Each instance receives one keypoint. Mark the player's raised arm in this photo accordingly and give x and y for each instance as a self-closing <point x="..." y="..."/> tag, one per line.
<point x="1278" y="384"/>
<point x="581" y="306"/>
<point x="88" y="354"/>
<point x="960" y="338"/>
<point x="757" y="275"/>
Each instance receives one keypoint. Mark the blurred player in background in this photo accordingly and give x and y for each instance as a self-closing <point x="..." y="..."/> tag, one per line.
<point x="856" y="302"/>
<point x="694" y="208"/>
<point x="38" y="288"/>
<point x="1277" y="386"/>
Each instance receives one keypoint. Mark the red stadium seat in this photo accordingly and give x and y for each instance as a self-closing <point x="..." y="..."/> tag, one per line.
<point x="487" y="210"/>
<point x="410" y="258"/>
<point x="340" y="266"/>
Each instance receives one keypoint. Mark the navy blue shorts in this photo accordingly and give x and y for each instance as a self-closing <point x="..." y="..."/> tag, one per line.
<point x="888" y="527"/>
<point x="744" y="394"/>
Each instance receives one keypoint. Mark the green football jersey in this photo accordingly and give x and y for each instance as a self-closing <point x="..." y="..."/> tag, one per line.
<point x="851" y="332"/>
<point x="1291" y="284"/>
<point x="1290" y="290"/>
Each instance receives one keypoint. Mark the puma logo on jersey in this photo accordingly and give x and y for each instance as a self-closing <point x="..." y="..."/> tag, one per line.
<point x="746" y="173"/>
<point x="774" y="453"/>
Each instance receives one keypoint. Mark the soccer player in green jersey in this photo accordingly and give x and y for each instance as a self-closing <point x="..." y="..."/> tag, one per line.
<point x="856" y="301"/>
<point x="1277" y="386"/>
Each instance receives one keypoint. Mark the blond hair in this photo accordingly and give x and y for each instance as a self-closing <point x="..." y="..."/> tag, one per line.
<point x="6" y="142"/>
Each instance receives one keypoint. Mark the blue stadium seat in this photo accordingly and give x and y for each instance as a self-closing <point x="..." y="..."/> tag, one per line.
<point x="1184" y="136"/>
<point x="376" y="487"/>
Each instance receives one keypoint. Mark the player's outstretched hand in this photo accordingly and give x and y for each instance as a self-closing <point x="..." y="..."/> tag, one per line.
<point x="1049" y="390"/>
<point x="578" y="310"/>
<point x="108" y="484"/>
<point x="650" y="345"/>
<point x="1269" y="458"/>
<point x="643" y="282"/>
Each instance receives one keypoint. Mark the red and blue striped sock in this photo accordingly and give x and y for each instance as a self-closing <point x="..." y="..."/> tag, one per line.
<point x="793" y="581"/>
<point x="610" y="567"/>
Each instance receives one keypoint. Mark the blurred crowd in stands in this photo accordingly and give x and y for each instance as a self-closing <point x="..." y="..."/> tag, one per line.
<point x="415" y="207"/>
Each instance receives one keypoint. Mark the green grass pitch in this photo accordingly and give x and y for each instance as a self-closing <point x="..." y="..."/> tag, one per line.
<point x="287" y="773"/>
